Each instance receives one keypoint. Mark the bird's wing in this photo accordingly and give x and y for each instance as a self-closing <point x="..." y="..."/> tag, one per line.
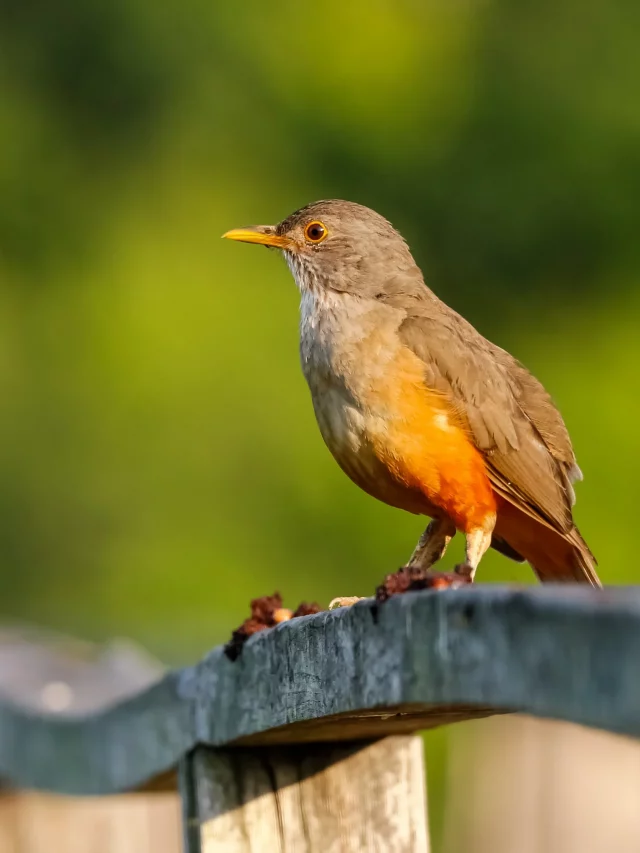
<point x="509" y="415"/>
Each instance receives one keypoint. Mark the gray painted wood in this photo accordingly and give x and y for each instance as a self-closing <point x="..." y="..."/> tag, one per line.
<point x="430" y="657"/>
<point x="358" y="797"/>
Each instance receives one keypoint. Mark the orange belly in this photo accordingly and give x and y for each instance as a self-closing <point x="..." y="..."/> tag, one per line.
<point x="441" y="463"/>
<point x="404" y="444"/>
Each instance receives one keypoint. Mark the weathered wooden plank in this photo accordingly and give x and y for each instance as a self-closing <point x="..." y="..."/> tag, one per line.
<point x="347" y="798"/>
<point x="427" y="658"/>
<point x="130" y="823"/>
<point x="541" y="786"/>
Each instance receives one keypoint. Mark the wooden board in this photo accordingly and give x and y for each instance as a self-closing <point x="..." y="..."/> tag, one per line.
<point x="348" y="798"/>
<point x="524" y="785"/>
<point x="419" y="660"/>
<point x="129" y="823"/>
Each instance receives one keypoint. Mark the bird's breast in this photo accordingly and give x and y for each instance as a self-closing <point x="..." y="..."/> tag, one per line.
<point x="368" y="395"/>
<point x="348" y="348"/>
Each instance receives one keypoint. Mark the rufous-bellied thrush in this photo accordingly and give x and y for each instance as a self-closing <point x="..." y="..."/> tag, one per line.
<point x="417" y="407"/>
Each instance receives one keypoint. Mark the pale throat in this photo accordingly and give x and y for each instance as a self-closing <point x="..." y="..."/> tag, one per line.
<point x="346" y="341"/>
<point x="302" y="276"/>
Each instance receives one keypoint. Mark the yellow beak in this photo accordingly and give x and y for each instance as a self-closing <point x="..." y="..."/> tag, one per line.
<point x="264" y="235"/>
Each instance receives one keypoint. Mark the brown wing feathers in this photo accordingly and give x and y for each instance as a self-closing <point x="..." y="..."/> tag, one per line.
<point x="511" y="419"/>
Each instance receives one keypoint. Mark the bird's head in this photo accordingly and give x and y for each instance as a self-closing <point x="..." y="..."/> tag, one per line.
<point x="338" y="245"/>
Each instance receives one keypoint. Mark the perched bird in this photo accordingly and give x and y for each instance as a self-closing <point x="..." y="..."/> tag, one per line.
<point x="417" y="407"/>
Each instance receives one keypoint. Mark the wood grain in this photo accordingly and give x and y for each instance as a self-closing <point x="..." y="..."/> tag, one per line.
<point x="420" y="659"/>
<point x="318" y="799"/>
<point x="131" y="823"/>
<point x="541" y="786"/>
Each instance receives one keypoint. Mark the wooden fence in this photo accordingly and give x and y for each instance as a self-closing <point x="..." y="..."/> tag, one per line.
<point x="305" y="743"/>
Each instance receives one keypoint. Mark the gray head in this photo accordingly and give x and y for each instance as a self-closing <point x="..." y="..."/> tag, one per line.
<point x="338" y="245"/>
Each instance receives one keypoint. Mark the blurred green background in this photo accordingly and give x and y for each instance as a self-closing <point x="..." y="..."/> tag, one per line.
<point x="159" y="460"/>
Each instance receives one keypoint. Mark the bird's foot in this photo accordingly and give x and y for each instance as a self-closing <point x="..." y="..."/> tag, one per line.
<point x="410" y="579"/>
<point x="465" y="570"/>
<point x="344" y="601"/>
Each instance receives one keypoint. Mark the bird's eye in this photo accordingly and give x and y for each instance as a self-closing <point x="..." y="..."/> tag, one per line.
<point x="315" y="232"/>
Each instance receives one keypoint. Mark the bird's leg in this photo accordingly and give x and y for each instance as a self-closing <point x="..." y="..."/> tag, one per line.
<point x="430" y="548"/>
<point x="478" y="542"/>
<point x="417" y="573"/>
<point x="432" y="544"/>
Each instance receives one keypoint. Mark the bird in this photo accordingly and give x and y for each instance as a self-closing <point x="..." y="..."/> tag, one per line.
<point x="418" y="408"/>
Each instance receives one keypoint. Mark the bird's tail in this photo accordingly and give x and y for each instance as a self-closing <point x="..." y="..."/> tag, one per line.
<point x="555" y="557"/>
<point x="567" y="559"/>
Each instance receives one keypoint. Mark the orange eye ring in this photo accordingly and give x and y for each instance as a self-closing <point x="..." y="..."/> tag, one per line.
<point x="315" y="232"/>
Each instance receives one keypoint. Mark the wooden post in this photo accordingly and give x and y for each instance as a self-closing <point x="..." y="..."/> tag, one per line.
<point x="315" y="798"/>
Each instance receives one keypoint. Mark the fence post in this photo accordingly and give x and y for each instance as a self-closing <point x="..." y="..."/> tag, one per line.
<point x="327" y="797"/>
